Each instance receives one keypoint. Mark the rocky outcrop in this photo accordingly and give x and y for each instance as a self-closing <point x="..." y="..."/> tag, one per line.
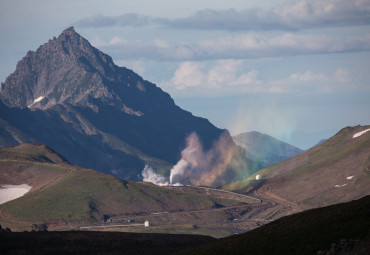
<point x="5" y="229"/>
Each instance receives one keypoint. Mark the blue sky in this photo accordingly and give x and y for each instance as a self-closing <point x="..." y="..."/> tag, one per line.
<point x="297" y="70"/>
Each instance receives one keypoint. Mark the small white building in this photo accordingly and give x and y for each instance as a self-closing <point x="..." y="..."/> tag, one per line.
<point x="258" y="177"/>
<point x="146" y="223"/>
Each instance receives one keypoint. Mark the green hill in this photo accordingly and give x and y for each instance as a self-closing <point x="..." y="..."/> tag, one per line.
<point x="63" y="194"/>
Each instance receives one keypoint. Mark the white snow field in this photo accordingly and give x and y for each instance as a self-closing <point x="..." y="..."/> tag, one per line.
<point x="360" y="133"/>
<point x="36" y="100"/>
<point x="11" y="192"/>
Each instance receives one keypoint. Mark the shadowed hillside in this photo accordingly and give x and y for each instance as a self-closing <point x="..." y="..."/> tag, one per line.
<point x="303" y="233"/>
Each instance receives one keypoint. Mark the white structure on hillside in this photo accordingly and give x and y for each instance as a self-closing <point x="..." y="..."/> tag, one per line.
<point x="258" y="177"/>
<point x="146" y="223"/>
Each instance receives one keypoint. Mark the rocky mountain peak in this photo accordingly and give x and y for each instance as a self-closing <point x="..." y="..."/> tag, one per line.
<point x="98" y="115"/>
<point x="68" y="69"/>
<point x="70" y="30"/>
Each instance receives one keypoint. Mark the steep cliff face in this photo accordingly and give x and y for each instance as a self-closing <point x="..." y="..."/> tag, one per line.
<point x="73" y="98"/>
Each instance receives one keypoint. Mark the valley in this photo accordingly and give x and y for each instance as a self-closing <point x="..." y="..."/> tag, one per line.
<point x="247" y="213"/>
<point x="73" y="198"/>
<point x="66" y="197"/>
<point x="91" y="152"/>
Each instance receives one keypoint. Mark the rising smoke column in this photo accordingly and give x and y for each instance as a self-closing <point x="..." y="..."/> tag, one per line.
<point x="223" y="163"/>
<point x="150" y="176"/>
<point x="185" y="169"/>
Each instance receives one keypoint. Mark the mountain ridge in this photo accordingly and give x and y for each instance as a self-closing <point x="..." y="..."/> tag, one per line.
<point x="73" y="98"/>
<point x="335" y="171"/>
<point x="33" y="152"/>
<point x="265" y="148"/>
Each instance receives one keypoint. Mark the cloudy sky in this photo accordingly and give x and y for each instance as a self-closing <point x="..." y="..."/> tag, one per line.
<point x="297" y="70"/>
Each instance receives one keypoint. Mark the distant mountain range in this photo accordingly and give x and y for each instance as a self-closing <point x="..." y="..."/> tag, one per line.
<point x="264" y="148"/>
<point x="337" y="170"/>
<point x="73" y="98"/>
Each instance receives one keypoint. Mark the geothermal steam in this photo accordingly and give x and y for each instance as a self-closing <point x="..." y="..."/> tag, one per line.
<point x="150" y="176"/>
<point x="222" y="164"/>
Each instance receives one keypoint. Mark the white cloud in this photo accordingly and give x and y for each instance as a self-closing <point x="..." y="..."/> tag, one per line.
<point x="227" y="77"/>
<point x="223" y="73"/>
<point x="188" y="75"/>
<point x="341" y="75"/>
<point x="293" y="15"/>
<point x="127" y="19"/>
<point x="219" y="75"/>
<point x="308" y="76"/>
<point x="116" y="40"/>
<point x="234" y="47"/>
<point x="310" y="81"/>
<point x="248" y="78"/>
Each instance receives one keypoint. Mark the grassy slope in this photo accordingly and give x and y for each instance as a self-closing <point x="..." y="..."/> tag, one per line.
<point x="302" y="233"/>
<point x="66" y="193"/>
<point x="320" y="169"/>
<point x="32" y="152"/>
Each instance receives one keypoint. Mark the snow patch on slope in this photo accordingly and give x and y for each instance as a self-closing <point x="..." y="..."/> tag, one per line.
<point x="36" y="100"/>
<point x="360" y="133"/>
<point x="11" y="192"/>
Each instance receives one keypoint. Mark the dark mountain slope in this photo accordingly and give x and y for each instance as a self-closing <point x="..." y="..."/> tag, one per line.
<point x="303" y="233"/>
<point x="264" y="148"/>
<point x="73" y="98"/>
<point x="87" y="242"/>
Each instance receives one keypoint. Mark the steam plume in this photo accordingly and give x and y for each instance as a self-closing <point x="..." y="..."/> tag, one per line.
<point x="222" y="164"/>
<point x="150" y="176"/>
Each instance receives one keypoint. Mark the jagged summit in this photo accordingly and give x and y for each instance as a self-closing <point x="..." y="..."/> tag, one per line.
<point x="68" y="69"/>
<point x="71" y="29"/>
<point x="73" y="98"/>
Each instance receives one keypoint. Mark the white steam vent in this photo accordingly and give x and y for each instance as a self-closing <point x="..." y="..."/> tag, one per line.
<point x="258" y="177"/>
<point x="150" y="176"/>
